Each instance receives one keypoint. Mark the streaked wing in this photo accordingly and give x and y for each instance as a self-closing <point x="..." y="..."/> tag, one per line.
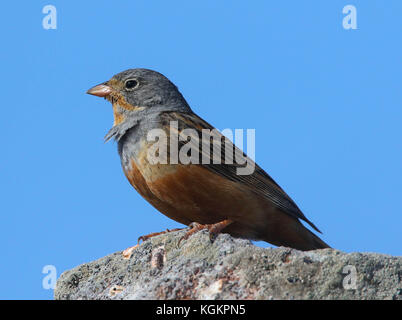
<point x="259" y="181"/>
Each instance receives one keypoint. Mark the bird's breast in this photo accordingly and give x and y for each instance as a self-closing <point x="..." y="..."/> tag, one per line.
<point x="186" y="193"/>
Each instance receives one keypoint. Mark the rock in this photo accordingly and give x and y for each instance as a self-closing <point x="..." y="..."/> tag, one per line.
<point x="231" y="268"/>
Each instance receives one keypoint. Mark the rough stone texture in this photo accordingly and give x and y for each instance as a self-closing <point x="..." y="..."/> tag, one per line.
<point x="231" y="268"/>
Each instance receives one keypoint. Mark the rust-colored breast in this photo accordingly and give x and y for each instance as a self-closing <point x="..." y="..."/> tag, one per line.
<point x="138" y="181"/>
<point x="188" y="193"/>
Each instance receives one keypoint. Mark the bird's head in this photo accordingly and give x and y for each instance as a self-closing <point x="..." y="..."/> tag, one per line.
<point x="137" y="92"/>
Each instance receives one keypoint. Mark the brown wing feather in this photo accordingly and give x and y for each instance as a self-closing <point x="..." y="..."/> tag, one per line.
<point x="259" y="181"/>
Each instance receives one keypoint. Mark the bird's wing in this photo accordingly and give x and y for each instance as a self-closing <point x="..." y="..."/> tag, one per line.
<point x="258" y="181"/>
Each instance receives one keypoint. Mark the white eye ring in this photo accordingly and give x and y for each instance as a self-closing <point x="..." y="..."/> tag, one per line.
<point x="131" y="84"/>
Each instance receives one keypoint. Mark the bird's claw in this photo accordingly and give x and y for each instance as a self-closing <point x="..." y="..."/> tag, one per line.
<point x="214" y="229"/>
<point x="146" y="237"/>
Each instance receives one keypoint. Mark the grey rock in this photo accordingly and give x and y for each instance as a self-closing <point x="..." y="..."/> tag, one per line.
<point x="232" y="268"/>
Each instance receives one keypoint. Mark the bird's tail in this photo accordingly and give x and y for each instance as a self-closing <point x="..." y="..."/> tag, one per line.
<point x="316" y="242"/>
<point x="295" y="235"/>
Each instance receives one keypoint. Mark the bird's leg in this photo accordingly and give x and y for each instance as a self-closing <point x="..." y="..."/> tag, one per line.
<point x="146" y="237"/>
<point x="214" y="229"/>
<point x="128" y="252"/>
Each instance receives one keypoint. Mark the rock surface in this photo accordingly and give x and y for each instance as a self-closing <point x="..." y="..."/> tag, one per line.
<point x="231" y="268"/>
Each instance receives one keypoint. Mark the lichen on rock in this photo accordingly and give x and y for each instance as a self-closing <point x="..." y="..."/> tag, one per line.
<point x="231" y="268"/>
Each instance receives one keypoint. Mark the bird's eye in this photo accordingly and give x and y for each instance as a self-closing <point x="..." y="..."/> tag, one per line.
<point x="131" y="84"/>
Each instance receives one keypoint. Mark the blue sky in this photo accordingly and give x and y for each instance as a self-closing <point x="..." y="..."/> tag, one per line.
<point x="325" y="103"/>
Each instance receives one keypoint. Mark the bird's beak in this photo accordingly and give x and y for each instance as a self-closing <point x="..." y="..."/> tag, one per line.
<point x="101" y="90"/>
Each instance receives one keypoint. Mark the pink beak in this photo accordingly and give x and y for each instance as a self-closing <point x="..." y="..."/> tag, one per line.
<point x="101" y="90"/>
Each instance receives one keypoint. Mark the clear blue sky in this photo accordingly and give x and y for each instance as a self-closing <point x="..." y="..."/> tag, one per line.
<point x="325" y="102"/>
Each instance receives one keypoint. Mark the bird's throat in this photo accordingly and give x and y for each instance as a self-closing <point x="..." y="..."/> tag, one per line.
<point x="121" y="109"/>
<point x="118" y="115"/>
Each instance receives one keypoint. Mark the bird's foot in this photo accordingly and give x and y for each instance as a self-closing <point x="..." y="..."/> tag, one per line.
<point x="214" y="229"/>
<point x="129" y="251"/>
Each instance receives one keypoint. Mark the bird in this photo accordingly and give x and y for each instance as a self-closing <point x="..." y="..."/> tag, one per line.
<point x="202" y="195"/>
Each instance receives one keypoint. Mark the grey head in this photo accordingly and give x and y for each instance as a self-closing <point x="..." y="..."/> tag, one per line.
<point x="138" y="94"/>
